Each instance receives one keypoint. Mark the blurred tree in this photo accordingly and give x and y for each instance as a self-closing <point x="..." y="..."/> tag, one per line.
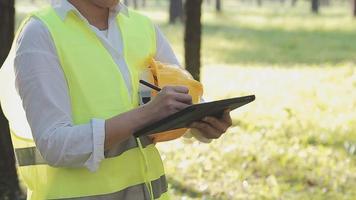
<point x="315" y="6"/>
<point x="325" y="2"/>
<point x="354" y="8"/>
<point x="135" y="4"/>
<point x="9" y="184"/>
<point x="218" y="5"/>
<point x="259" y="3"/>
<point x="192" y="37"/>
<point x="7" y="13"/>
<point x="175" y="11"/>
<point x="294" y="2"/>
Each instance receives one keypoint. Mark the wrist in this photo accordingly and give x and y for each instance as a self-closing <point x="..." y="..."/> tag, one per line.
<point x="144" y="117"/>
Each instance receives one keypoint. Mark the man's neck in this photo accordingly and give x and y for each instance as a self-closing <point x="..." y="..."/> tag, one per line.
<point x="95" y="15"/>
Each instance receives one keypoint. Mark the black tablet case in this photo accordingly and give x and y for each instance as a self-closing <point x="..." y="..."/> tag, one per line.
<point x="193" y="113"/>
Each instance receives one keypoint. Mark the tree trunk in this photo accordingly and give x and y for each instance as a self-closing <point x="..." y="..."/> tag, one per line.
<point x="9" y="185"/>
<point x="175" y="11"/>
<point x="259" y="3"/>
<point x="7" y="24"/>
<point x="315" y="6"/>
<point x="354" y="8"/>
<point x="218" y="5"/>
<point x="135" y="3"/>
<point x="192" y="37"/>
<point x="293" y="3"/>
<point x="325" y="2"/>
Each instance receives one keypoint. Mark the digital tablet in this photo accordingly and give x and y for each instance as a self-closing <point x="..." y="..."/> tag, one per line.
<point x="194" y="113"/>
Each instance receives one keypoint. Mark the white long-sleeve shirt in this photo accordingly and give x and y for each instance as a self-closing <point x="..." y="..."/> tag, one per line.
<point x="41" y="85"/>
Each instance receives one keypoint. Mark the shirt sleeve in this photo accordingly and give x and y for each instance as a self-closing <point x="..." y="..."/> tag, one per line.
<point x="41" y="85"/>
<point x="165" y="54"/>
<point x="164" y="51"/>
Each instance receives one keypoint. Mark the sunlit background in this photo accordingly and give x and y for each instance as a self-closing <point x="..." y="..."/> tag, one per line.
<point x="298" y="139"/>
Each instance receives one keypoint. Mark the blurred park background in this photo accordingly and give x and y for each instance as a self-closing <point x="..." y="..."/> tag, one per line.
<point x="298" y="139"/>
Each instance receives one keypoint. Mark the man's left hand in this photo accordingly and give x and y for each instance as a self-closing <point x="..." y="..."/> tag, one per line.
<point x="212" y="127"/>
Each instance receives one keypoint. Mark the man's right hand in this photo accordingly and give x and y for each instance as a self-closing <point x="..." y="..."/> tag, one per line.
<point x="169" y="100"/>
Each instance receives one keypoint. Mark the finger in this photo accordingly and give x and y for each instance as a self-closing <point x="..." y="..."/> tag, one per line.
<point x="174" y="88"/>
<point x="185" y="98"/>
<point x="227" y="117"/>
<point x="181" y="89"/>
<point x="220" y="125"/>
<point x="207" y="130"/>
<point x="180" y="106"/>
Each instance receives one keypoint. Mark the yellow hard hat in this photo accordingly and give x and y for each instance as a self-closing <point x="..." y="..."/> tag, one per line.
<point x="166" y="74"/>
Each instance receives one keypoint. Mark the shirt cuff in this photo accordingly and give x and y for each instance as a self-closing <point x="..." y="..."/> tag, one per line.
<point x="192" y="132"/>
<point x="98" y="127"/>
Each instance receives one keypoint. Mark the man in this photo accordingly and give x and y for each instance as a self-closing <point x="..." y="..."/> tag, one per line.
<point x="76" y="72"/>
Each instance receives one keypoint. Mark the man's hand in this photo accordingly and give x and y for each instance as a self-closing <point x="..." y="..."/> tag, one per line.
<point x="168" y="101"/>
<point x="213" y="128"/>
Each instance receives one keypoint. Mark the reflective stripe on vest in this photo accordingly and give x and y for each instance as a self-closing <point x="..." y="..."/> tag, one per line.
<point x="31" y="156"/>
<point x="136" y="192"/>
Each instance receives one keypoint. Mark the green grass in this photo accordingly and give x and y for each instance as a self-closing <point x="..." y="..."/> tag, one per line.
<point x="298" y="139"/>
<point x="295" y="142"/>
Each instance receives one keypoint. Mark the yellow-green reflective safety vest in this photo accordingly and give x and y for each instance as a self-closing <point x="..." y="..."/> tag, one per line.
<point x="134" y="169"/>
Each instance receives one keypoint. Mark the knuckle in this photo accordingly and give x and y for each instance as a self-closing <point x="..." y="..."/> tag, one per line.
<point x="169" y="95"/>
<point x="201" y="125"/>
<point x="165" y="89"/>
<point x="216" y="136"/>
<point x="205" y="126"/>
<point x="187" y="96"/>
<point x="214" y="120"/>
<point x="197" y="125"/>
<point x="168" y="88"/>
<point x="190" y="97"/>
<point x="209" y="137"/>
<point x="185" y="89"/>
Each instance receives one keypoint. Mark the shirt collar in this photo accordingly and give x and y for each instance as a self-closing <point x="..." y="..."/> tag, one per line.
<point x="63" y="7"/>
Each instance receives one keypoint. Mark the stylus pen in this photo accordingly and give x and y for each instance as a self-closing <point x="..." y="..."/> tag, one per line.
<point x="150" y="85"/>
